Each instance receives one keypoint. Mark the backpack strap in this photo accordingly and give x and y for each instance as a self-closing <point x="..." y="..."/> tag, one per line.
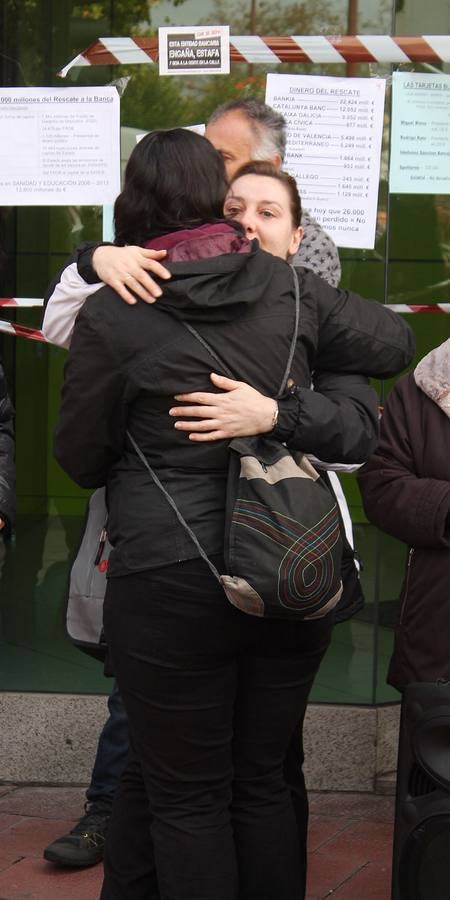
<point x="207" y="347"/>
<point x="295" y="334"/>
<point x="287" y="370"/>
<point x="174" y="506"/>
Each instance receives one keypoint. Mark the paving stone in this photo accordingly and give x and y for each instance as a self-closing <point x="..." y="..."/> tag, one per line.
<point x="373" y="882"/>
<point x="51" y="803"/>
<point x="29" y="836"/>
<point x="31" y="879"/>
<point x="326" y="873"/>
<point x="350" y="846"/>
<point x="353" y="805"/>
<point x="322" y="829"/>
<point x="8" y="821"/>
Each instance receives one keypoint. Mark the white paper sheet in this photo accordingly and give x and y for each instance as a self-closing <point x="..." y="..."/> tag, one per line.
<point x="59" y="146"/>
<point x="420" y="134"/>
<point x="335" y="129"/>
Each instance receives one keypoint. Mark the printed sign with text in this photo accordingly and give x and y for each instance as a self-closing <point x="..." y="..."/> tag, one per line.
<point x="333" y="149"/>
<point x="198" y="50"/>
<point x="420" y="138"/>
<point x="59" y="146"/>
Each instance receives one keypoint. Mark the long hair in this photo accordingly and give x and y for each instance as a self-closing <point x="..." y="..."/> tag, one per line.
<point x="174" y="179"/>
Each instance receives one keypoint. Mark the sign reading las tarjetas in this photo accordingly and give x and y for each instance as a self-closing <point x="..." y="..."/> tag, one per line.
<point x="420" y="139"/>
<point x="59" y="146"/>
<point x="333" y="149"/>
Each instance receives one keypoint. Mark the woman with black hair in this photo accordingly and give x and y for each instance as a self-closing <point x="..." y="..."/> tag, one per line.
<point x="212" y="695"/>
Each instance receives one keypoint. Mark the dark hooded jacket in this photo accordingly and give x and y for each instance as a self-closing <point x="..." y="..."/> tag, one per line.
<point x="126" y="364"/>
<point x="7" y="465"/>
<point x="405" y="488"/>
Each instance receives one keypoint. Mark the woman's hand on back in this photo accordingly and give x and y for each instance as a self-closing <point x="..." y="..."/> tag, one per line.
<point x="237" y="412"/>
<point x="126" y="270"/>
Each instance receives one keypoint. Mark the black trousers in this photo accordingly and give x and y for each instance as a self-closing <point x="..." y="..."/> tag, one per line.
<point x="213" y="697"/>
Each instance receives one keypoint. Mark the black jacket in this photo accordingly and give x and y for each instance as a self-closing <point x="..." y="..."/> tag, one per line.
<point x="126" y="364"/>
<point x="7" y="465"/>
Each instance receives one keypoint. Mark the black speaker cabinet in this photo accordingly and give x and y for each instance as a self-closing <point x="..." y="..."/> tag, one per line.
<point x="421" y="858"/>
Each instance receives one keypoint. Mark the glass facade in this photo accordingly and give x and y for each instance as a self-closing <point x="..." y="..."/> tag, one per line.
<point x="410" y="264"/>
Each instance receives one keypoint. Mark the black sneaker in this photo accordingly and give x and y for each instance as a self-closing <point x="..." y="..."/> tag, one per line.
<point x="85" y="844"/>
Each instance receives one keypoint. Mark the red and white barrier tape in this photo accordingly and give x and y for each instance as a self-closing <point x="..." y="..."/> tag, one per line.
<point x="21" y="301"/>
<point x="27" y="302"/>
<point x="32" y="334"/>
<point x="419" y="307"/>
<point x="271" y="50"/>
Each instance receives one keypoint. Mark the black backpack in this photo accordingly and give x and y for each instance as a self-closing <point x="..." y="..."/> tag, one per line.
<point x="282" y="543"/>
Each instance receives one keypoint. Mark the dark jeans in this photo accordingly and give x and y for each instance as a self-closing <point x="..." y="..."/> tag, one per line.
<point x="213" y="697"/>
<point x="111" y="759"/>
<point x="110" y="762"/>
<point x="112" y="752"/>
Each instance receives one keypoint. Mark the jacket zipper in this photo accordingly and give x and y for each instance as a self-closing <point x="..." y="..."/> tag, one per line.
<point x="101" y="546"/>
<point x="98" y="556"/>
<point x="408" y="573"/>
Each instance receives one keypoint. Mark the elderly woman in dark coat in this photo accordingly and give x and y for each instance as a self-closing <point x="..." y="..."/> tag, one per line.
<point x="406" y="491"/>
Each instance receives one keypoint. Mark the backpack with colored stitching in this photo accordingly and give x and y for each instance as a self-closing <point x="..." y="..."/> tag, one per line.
<point x="282" y="542"/>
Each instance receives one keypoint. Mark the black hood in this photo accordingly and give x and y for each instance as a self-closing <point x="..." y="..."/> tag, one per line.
<point x="220" y="285"/>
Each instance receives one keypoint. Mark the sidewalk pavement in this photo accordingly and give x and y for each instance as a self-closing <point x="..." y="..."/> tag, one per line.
<point x="350" y="845"/>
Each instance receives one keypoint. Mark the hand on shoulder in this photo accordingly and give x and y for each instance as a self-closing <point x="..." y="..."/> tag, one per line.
<point x="126" y="270"/>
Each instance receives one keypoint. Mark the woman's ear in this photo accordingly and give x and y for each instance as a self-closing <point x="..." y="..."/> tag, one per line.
<point x="296" y="240"/>
<point x="276" y="160"/>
